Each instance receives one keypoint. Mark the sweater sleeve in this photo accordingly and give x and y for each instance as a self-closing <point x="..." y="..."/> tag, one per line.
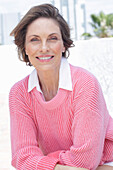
<point x="26" y="154"/>
<point x="88" y="127"/>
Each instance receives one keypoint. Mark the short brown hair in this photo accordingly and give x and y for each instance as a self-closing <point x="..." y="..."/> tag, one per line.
<point x="47" y="11"/>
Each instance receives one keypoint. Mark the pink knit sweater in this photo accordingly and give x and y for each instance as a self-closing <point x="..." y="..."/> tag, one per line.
<point x="74" y="128"/>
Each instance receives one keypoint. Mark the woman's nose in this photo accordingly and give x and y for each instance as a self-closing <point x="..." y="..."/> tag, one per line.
<point x="44" y="47"/>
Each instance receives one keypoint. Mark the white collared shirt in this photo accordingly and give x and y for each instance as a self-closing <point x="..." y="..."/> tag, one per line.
<point x="65" y="81"/>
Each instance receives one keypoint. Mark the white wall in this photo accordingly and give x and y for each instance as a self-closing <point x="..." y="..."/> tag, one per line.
<point x="11" y="68"/>
<point x="96" y="55"/>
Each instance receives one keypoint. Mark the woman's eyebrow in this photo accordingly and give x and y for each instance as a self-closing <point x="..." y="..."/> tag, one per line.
<point x="33" y="35"/>
<point x="57" y="34"/>
<point x="53" y="34"/>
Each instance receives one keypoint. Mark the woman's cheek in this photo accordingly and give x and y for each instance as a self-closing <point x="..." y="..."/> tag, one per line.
<point x="31" y="49"/>
<point x="57" y="47"/>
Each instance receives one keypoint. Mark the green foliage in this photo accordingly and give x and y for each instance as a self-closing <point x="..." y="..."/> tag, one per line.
<point x="102" y="25"/>
<point x="87" y="35"/>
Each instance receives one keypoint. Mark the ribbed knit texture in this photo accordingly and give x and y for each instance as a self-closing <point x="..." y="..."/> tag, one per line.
<point x="73" y="129"/>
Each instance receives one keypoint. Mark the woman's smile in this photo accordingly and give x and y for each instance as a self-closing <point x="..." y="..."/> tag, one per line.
<point x="44" y="58"/>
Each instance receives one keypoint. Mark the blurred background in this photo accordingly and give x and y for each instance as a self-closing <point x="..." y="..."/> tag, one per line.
<point x="91" y="24"/>
<point x="76" y="12"/>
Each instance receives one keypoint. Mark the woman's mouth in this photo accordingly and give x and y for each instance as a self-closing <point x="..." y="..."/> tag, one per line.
<point x="44" y="58"/>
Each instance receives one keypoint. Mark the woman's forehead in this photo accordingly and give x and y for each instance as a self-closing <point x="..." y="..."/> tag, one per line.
<point x="44" y="25"/>
<point x="42" y="20"/>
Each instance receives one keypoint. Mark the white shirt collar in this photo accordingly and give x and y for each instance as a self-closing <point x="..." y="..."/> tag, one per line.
<point x="65" y="81"/>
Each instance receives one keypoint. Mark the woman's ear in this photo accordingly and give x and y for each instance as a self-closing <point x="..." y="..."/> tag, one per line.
<point x="25" y="51"/>
<point x="63" y="50"/>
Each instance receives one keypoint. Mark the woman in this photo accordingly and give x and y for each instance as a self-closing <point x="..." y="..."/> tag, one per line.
<point x="59" y="119"/>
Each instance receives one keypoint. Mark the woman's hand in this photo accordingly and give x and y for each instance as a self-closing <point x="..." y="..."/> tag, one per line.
<point x="62" y="167"/>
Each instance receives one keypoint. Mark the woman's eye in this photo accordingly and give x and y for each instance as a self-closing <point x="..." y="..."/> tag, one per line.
<point x="53" y="38"/>
<point x="34" y="39"/>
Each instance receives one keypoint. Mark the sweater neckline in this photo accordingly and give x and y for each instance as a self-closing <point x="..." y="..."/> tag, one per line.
<point x="54" y="102"/>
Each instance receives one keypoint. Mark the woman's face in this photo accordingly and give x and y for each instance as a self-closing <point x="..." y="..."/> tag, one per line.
<point x="44" y="44"/>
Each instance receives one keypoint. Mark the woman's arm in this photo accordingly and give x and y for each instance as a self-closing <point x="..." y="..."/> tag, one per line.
<point x="61" y="167"/>
<point x="89" y="127"/>
<point x="26" y="154"/>
<point x="105" y="167"/>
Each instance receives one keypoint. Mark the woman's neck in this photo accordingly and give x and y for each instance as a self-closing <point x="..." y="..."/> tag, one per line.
<point x="49" y="82"/>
